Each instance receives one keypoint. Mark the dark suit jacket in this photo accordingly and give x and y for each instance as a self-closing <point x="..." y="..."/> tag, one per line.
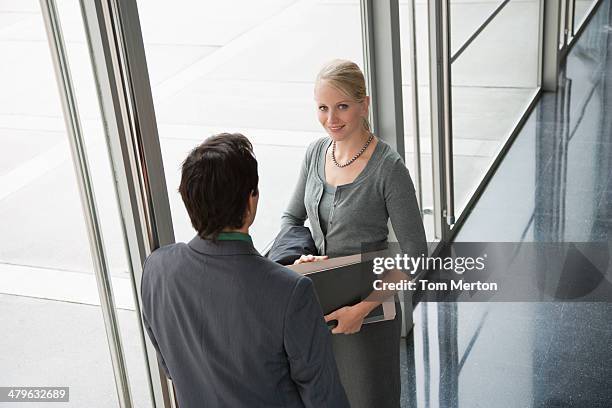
<point x="234" y="329"/>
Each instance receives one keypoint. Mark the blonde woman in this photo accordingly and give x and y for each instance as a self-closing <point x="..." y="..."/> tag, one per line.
<point x="351" y="183"/>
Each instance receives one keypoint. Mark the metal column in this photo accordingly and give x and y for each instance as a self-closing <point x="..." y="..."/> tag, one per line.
<point x="550" y="45"/>
<point x="414" y="87"/>
<point x="124" y="92"/>
<point x="380" y="23"/>
<point x="441" y="120"/>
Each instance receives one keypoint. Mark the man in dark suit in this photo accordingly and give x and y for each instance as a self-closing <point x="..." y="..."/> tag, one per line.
<point x="232" y="328"/>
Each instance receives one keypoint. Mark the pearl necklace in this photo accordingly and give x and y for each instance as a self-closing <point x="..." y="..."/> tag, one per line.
<point x="363" y="149"/>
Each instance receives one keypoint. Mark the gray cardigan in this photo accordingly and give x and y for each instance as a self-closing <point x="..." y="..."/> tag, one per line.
<point x="361" y="209"/>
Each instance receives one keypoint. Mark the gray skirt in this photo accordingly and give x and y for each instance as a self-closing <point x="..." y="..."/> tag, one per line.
<point x="369" y="363"/>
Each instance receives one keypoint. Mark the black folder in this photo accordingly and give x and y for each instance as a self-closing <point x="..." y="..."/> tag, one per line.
<point x="345" y="281"/>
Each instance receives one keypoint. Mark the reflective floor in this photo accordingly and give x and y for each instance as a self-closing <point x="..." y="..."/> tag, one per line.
<point x="554" y="185"/>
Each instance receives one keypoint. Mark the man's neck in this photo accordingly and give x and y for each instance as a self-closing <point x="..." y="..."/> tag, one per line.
<point x="243" y="230"/>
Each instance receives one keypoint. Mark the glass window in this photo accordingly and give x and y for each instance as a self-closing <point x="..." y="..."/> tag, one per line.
<point x="249" y="67"/>
<point x="581" y="9"/>
<point x="468" y="17"/>
<point x="493" y="82"/>
<point x="49" y="305"/>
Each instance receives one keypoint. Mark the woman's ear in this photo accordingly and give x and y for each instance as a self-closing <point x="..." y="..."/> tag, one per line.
<point x="366" y="105"/>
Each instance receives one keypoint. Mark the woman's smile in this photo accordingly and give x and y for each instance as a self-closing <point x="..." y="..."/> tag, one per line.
<point x="335" y="128"/>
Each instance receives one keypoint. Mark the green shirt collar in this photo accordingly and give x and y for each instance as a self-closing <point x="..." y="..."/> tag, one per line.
<point x="234" y="236"/>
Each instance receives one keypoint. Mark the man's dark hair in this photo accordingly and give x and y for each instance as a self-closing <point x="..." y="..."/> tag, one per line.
<point x="217" y="179"/>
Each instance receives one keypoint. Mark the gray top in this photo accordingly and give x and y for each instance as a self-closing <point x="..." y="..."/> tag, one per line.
<point x="325" y="206"/>
<point x="360" y="209"/>
<point x="234" y="329"/>
<point x="327" y="200"/>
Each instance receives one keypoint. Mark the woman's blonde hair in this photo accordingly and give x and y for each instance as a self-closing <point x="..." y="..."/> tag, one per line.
<point x="346" y="76"/>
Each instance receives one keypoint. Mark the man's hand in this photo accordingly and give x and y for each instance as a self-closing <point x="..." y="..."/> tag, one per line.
<point x="350" y="318"/>
<point x="310" y="258"/>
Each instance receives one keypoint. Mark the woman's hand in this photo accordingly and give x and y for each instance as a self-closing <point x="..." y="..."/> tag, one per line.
<point x="350" y="318"/>
<point x="310" y="258"/>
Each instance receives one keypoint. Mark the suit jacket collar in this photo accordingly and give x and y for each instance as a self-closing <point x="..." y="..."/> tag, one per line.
<point x="208" y="247"/>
